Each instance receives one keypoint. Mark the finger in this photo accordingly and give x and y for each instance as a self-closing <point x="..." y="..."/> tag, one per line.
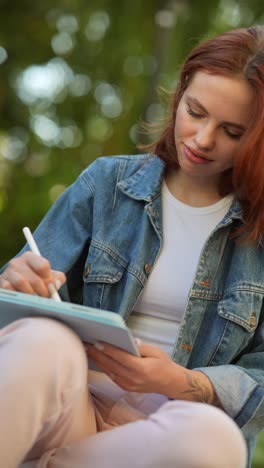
<point x="130" y="379"/>
<point x="19" y="282"/>
<point x="32" y="274"/>
<point x="106" y="363"/>
<point x="40" y="265"/>
<point x="147" y="350"/>
<point x="43" y="279"/>
<point x="59" y="278"/>
<point x="27" y="281"/>
<point x="30" y="262"/>
<point x="119" y="355"/>
<point x="5" y="284"/>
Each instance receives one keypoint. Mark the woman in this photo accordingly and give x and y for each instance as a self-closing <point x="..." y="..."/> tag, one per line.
<point x="172" y="242"/>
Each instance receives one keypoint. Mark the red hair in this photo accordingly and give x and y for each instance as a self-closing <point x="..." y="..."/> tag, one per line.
<point x="240" y="53"/>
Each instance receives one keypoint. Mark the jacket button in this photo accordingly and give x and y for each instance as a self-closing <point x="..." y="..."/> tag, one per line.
<point x="186" y="346"/>
<point x="207" y="284"/>
<point x="253" y="320"/>
<point x="148" y="268"/>
<point x="87" y="270"/>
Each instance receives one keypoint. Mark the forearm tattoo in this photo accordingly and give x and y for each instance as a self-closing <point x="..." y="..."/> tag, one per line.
<point x="200" y="392"/>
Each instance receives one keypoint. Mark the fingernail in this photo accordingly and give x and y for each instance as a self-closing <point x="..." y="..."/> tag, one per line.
<point x="99" y="346"/>
<point x="58" y="284"/>
<point x="137" y="341"/>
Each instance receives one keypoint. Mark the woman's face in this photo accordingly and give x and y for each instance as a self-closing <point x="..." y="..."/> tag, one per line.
<point x="212" y="116"/>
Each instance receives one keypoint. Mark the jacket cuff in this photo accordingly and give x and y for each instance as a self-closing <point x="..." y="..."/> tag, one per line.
<point x="238" y="392"/>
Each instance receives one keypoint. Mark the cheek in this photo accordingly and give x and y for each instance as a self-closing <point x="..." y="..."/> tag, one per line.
<point x="180" y="123"/>
<point x="184" y="126"/>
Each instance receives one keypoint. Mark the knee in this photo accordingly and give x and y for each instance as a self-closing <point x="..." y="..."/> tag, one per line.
<point x="44" y="346"/>
<point x="209" y="438"/>
<point x="220" y="441"/>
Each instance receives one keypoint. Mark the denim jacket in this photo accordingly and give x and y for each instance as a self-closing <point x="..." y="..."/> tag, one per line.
<point x="105" y="233"/>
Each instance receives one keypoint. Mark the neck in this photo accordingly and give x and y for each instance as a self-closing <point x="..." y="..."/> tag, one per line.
<point x="193" y="191"/>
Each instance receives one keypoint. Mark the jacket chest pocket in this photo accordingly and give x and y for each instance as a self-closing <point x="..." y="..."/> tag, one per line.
<point x="102" y="276"/>
<point x="239" y="312"/>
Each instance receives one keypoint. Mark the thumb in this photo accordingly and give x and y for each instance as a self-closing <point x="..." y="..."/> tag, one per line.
<point x="148" y="350"/>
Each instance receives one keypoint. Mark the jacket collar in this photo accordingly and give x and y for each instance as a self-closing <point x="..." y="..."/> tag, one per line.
<point x="235" y="212"/>
<point x="146" y="183"/>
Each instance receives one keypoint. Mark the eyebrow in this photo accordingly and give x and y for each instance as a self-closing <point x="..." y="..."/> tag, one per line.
<point x="198" y="104"/>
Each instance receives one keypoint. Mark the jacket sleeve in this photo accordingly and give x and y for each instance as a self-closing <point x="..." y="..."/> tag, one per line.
<point x="240" y="386"/>
<point x="64" y="234"/>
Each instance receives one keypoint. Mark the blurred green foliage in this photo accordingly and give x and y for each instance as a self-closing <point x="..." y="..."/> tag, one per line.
<point x="258" y="461"/>
<point x="77" y="78"/>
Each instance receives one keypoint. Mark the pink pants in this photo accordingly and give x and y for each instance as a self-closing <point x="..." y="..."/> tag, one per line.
<point x="49" y="419"/>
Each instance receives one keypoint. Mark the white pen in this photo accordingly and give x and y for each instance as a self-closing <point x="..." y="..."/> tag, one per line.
<point x="34" y="248"/>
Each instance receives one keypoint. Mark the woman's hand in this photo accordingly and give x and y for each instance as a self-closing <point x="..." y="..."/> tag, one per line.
<point x="148" y="373"/>
<point x="153" y="372"/>
<point x="31" y="274"/>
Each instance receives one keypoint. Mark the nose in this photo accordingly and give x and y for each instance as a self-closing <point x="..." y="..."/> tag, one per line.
<point x="205" y="137"/>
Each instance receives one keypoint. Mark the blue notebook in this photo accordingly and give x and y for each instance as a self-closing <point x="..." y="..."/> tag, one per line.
<point x="90" y="324"/>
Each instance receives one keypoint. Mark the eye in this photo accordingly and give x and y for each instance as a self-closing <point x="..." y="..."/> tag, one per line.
<point x="194" y="114"/>
<point x="234" y="136"/>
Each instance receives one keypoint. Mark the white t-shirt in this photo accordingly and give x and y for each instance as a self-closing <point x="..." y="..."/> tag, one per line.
<point x="159" y="310"/>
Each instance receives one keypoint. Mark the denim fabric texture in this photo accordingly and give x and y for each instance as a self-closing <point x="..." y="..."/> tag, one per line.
<point x="105" y="233"/>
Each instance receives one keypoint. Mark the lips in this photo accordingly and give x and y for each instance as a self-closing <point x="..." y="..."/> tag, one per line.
<point x="195" y="156"/>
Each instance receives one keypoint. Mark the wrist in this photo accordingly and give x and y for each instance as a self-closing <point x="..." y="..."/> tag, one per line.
<point x="191" y="385"/>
